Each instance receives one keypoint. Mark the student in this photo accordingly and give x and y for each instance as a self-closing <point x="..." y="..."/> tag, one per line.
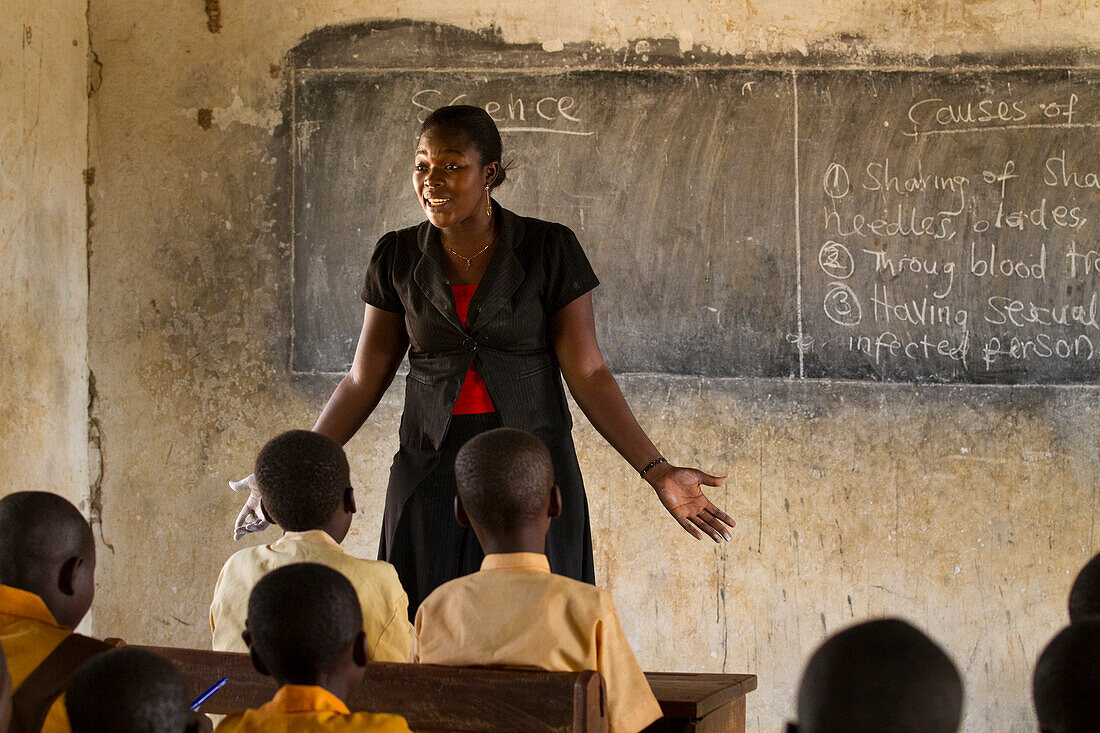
<point x="1084" y="596"/>
<point x="47" y="568"/>
<point x="305" y="630"/>
<point x="1066" y="686"/>
<point x="305" y="487"/>
<point x="514" y="612"/>
<point x="130" y="691"/>
<point x="881" y="676"/>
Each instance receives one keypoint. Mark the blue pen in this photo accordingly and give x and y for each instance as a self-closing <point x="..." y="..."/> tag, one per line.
<point x="208" y="694"/>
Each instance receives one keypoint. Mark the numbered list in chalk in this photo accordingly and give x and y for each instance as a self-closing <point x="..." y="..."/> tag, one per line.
<point x="949" y="232"/>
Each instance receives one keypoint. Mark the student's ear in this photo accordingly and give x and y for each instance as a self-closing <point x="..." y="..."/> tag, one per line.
<point x="67" y="577"/>
<point x="359" y="653"/>
<point x="349" y="500"/>
<point x="555" y="502"/>
<point x="460" y="513"/>
<point x="256" y="661"/>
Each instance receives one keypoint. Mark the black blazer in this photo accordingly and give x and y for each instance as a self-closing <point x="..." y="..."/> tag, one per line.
<point x="538" y="267"/>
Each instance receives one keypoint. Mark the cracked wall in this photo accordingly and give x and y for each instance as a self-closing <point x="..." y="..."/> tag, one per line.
<point x="964" y="509"/>
<point x="43" y="294"/>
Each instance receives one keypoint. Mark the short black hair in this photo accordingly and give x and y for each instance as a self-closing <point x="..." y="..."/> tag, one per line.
<point x="303" y="618"/>
<point x="1066" y="685"/>
<point x="38" y="530"/>
<point x="504" y="477"/>
<point x="127" y="691"/>
<point x="478" y="126"/>
<point x="882" y="676"/>
<point x="302" y="476"/>
<point x="1084" y="596"/>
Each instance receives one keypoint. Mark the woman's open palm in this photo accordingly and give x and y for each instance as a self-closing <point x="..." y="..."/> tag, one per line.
<point x="681" y="492"/>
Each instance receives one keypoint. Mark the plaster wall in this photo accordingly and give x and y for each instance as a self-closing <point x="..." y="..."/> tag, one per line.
<point x="43" y="291"/>
<point x="964" y="509"/>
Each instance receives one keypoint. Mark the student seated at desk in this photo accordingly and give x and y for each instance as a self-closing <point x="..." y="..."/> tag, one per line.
<point x="305" y="630"/>
<point x="881" y="676"/>
<point x="47" y="569"/>
<point x="1066" y="686"/>
<point x="1084" y="596"/>
<point x="514" y="612"/>
<point x="305" y="487"/>
<point x="130" y="691"/>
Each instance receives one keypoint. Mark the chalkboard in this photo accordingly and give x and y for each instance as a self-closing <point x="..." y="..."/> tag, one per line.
<point x="948" y="225"/>
<point x="883" y="225"/>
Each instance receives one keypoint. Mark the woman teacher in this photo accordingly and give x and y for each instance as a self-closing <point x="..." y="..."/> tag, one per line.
<point x="492" y="308"/>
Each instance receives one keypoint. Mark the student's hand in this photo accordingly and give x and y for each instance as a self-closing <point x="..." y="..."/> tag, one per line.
<point x="199" y="723"/>
<point x="251" y="518"/>
<point x="680" y="490"/>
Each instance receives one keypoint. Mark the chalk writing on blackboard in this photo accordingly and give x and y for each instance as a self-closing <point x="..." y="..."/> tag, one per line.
<point x="937" y="116"/>
<point x="942" y="254"/>
<point x="513" y="113"/>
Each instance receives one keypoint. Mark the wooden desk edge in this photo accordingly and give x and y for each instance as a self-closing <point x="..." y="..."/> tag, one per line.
<point x="674" y="706"/>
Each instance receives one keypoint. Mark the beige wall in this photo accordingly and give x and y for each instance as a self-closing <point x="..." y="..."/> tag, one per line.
<point x="964" y="509"/>
<point x="43" y="290"/>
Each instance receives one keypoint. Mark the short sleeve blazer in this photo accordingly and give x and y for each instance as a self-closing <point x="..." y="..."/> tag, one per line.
<point x="537" y="268"/>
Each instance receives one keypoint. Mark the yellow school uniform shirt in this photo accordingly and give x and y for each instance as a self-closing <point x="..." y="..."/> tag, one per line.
<point x="515" y="613"/>
<point x="28" y="633"/>
<point x="384" y="603"/>
<point x="306" y="708"/>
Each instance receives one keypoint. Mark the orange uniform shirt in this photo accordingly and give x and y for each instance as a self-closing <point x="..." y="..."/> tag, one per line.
<point x="306" y="708"/>
<point x="382" y="600"/>
<point x="515" y="613"/>
<point x="28" y="633"/>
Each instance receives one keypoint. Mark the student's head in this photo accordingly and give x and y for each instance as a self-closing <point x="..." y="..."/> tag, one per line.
<point x="305" y="483"/>
<point x="881" y="676"/>
<point x="47" y="548"/>
<point x="1084" y="596"/>
<point x="305" y="627"/>
<point x="457" y="156"/>
<point x="1066" y="686"/>
<point x="128" y="691"/>
<point x="505" y="483"/>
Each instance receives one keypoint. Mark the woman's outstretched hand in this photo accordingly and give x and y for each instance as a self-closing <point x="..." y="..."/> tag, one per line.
<point x="251" y="518"/>
<point x="681" y="491"/>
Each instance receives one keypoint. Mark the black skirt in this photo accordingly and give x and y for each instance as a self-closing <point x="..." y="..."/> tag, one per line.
<point x="424" y="541"/>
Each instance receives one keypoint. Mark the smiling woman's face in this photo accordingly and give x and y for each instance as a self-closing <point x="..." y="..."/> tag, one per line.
<point x="449" y="178"/>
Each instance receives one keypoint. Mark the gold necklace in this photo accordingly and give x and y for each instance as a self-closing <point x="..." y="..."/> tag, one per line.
<point x="471" y="258"/>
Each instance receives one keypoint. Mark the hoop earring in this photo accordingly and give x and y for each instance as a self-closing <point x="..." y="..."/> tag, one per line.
<point x="488" y="204"/>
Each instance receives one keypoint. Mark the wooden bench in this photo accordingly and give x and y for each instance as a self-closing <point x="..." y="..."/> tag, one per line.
<point x="480" y="699"/>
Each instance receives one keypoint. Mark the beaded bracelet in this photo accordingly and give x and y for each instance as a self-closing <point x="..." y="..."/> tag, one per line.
<point x="650" y="465"/>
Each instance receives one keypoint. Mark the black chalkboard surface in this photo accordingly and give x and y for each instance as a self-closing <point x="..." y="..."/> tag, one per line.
<point x="883" y="225"/>
<point x="696" y="261"/>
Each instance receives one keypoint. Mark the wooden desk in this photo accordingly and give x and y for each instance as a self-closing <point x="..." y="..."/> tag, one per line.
<point x="700" y="703"/>
<point x="431" y="697"/>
